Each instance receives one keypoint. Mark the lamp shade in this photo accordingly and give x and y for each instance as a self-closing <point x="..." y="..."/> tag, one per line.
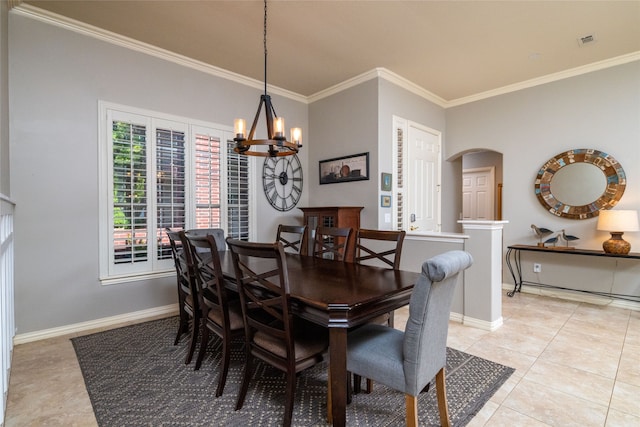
<point x="618" y="220"/>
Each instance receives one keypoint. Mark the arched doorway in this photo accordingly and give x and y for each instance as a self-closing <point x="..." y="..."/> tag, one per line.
<point x="482" y="185"/>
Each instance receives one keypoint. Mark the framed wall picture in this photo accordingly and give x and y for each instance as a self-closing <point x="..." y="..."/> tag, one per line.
<point x="385" y="182"/>
<point x="385" y="201"/>
<point x="344" y="169"/>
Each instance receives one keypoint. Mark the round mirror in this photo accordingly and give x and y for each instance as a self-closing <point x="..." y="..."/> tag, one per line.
<point x="578" y="183"/>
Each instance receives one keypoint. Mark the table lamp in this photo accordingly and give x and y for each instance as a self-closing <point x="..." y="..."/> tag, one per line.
<point x="617" y="222"/>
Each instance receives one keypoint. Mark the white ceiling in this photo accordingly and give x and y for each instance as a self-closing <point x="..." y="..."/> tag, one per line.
<point x="453" y="49"/>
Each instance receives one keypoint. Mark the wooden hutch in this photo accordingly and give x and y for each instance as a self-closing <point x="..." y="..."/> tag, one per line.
<point x="331" y="216"/>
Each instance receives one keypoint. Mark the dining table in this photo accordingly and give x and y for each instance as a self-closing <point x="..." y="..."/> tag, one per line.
<point x="339" y="296"/>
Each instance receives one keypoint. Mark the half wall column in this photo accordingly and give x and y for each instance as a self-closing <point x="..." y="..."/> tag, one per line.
<point x="483" y="280"/>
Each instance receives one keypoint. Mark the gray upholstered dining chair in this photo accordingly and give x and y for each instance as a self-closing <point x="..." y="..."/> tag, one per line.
<point x="380" y="248"/>
<point x="217" y="233"/>
<point x="408" y="361"/>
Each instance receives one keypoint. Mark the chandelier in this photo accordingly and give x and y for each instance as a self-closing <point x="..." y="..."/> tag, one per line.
<point x="276" y="140"/>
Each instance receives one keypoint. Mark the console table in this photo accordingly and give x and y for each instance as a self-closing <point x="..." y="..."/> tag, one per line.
<point x="515" y="251"/>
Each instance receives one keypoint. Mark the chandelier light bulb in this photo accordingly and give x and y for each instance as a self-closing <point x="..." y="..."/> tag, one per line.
<point x="239" y="128"/>
<point x="278" y="125"/>
<point x="296" y="136"/>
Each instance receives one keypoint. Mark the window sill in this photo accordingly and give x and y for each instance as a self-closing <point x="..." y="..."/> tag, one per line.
<point x="116" y="280"/>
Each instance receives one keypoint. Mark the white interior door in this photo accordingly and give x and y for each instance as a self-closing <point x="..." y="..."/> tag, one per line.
<point x="478" y="194"/>
<point x="423" y="186"/>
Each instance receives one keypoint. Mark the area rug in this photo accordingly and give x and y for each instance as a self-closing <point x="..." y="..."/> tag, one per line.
<point x="135" y="376"/>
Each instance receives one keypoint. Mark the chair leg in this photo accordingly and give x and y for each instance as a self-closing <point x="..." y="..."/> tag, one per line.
<point x="195" y="330"/>
<point x="369" y="385"/>
<point x="411" y="403"/>
<point x="357" y="383"/>
<point x="289" y="396"/>
<point x="245" y="380"/>
<point x="224" y="369"/>
<point x="204" y="341"/>
<point x="183" y="327"/>
<point x="442" y="398"/>
<point x="329" y="410"/>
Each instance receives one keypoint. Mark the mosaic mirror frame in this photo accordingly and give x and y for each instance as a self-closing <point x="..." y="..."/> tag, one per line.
<point x="616" y="183"/>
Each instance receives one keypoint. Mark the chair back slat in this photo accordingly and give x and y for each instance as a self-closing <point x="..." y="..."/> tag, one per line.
<point x="332" y="242"/>
<point x="374" y="245"/>
<point x="204" y="262"/>
<point x="292" y="237"/>
<point x="179" y="260"/>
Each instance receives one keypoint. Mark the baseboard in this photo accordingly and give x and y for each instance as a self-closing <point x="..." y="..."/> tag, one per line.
<point x="456" y="317"/>
<point x="482" y="324"/>
<point x="104" y="323"/>
<point x="476" y="323"/>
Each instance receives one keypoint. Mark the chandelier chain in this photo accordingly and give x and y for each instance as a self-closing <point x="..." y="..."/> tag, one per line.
<point x="264" y="41"/>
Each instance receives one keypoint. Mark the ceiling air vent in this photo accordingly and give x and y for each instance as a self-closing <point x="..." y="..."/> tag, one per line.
<point x="588" y="39"/>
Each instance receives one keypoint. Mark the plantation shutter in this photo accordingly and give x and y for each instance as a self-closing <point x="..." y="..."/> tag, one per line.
<point x="129" y="142"/>
<point x="238" y="194"/>
<point x="170" y="186"/>
<point x="207" y="180"/>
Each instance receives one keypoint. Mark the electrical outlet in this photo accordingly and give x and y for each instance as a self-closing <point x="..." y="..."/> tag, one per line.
<point x="537" y="268"/>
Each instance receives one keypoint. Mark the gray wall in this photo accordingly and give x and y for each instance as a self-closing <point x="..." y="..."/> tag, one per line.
<point x="598" y="110"/>
<point x="343" y="124"/>
<point x="395" y="100"/>
<point x="5" y="187"/>
<point x="360" y="119"/>
<point x="57" y="77"/>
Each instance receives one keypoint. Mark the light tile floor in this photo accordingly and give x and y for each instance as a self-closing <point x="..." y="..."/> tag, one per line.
<point x="577" y="364"/>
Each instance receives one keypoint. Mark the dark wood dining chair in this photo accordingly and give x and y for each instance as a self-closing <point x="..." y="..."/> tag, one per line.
<point x="182" y="277"/>
<point x="408" y="361"/>
<point x="379" y="247"/>
<point x="220" y="311"/>
<point x="292" y="237"/>
<point x="189" y="308"/>
<point x="272" y="334"/>
<point x="332" y="242"/>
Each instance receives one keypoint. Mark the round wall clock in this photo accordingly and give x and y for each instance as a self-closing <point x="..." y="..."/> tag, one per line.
<point x="282" y="181"/>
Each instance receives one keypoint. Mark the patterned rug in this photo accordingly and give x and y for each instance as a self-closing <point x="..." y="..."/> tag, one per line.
<point x="135" y="376"/>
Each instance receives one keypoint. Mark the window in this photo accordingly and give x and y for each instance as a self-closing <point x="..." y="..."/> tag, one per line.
<point x="159" y="171"/>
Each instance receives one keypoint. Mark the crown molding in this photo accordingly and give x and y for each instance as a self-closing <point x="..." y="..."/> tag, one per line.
<point x="411" y="87"/>
<point x="354" y="81"/>
<point x="138" y="46"/>
<point x="382" y="73"/>
<point x="13" y="3"/>
<point x="89" y="30"/>
<point x="549" y="78"/>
